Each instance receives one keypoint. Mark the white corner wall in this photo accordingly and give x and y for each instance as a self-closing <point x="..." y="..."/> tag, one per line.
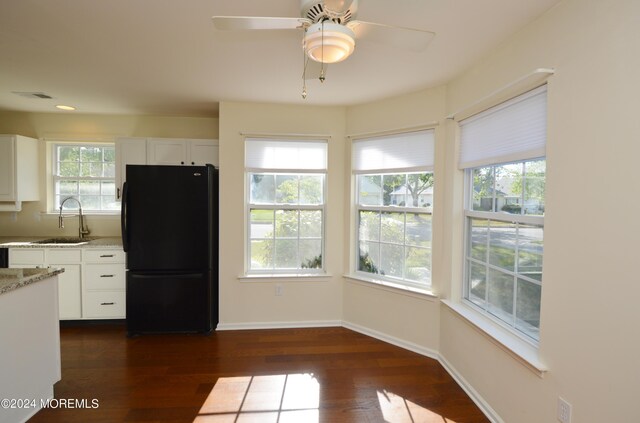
<point x="304" y="302"/>
<point x="590" y="289"/>
<point x="405" y="319"/>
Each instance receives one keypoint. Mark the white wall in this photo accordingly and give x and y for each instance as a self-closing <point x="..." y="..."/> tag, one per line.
<point x="401" y="317"/>
<point x="590" y="289"/>
<point x="31" y="221"/>
<point x="304" y="301"/>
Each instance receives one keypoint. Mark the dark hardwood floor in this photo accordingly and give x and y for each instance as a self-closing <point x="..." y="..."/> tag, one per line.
<point x="288" y="375"/>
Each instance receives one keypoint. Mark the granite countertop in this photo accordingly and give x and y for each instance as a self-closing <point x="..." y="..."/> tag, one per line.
<point x="12" y="279"/>
<point x="32" y="242"/>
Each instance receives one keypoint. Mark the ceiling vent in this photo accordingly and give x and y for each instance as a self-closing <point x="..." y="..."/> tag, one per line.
<point x="37" y="95"/>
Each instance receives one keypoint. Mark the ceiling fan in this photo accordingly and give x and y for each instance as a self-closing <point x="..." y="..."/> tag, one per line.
<point x="329" y="30"/>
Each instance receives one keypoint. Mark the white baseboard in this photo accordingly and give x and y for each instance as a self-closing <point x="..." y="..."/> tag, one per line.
<point x="392" y="340"/>
<point x="279" y="325"/>
<point x="473" y="394"/>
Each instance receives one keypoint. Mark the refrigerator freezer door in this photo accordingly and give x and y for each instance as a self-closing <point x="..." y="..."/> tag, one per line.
<point x="161" y="303"/>
<point x="168" y="218"/>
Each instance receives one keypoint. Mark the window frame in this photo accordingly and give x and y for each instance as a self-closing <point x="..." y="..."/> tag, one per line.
<point x="402" y="282"/>
<point x="284" y="206"/>
<point x="500" y="216"/>
<point x="299" y="172"/>
<point x="55" y="178"/>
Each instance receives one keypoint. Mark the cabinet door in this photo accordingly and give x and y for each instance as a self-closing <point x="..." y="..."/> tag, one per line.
<point x="128" y="151"/>
<point x="202" y="152"/>
<point x="69" y="291"/>
<point x="166" y="151"/>
<point x="7" y="169"/>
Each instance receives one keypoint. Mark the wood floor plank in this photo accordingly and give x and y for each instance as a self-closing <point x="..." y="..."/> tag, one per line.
<point x="302" y="375"/>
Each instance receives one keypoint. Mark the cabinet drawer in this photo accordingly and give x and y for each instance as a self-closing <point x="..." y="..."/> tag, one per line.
<point x="103" y="256"/>
<point x="106" y="304"/>
<point x="104" y="276"/>
<point x="64" y="255"/>
<point x="26" y="256"/>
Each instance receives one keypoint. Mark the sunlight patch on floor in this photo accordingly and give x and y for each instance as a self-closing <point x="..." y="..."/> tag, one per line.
<point x="264" y="399"/>
<point x="396" y="409"/>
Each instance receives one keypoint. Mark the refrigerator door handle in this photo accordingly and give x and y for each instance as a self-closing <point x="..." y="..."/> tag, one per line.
<point x="123" y="218"/>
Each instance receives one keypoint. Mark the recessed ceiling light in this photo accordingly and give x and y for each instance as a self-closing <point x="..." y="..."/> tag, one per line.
<point x="63" y="107"/>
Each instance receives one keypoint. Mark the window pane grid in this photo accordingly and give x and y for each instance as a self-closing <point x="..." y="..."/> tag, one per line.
<point x="394" y="227"/>
<point x="285" y="222"/>
<point x="511" y="296"/>
<point x="86" y="172"/>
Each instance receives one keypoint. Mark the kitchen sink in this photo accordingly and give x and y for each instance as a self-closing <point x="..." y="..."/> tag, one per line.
<point x="65" y="240"/>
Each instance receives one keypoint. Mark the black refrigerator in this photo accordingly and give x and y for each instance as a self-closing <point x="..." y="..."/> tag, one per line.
<point x="170" y="235"/>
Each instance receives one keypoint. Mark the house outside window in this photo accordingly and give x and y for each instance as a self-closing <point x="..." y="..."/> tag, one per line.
<point x="85" y="171"/>
<point x="286" y="196"/>
<point x="394" y="206"/>
<point x="503" y="154"/>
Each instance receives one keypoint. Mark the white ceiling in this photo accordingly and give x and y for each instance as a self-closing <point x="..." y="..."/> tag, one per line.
<point x="164" y="57"/>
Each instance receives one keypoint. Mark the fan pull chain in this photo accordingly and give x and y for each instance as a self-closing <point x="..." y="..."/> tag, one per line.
<point x="321" y="77"/>
<point x="304" y="65"/>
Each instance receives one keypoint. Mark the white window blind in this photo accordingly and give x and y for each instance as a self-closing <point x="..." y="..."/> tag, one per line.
<point x="512" y="131"/>
<point x="407" y="152"/>
<point x="296" y="156"/>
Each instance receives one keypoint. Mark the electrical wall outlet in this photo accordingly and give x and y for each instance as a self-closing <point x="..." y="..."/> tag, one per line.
<point x="279" y="290"/>
<point x="564" y="411"/>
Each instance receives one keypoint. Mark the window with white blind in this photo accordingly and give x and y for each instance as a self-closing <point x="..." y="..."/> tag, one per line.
<point x="394" y="204"/>
<point x="286" y="194"/>
<point x="503" y="153"/>
<point x="86" y="172"/>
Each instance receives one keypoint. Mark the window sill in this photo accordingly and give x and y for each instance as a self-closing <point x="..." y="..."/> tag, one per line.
<point x="521" y="350"/>
<point x="392" y="287"/>
<point x="288" y="276"/>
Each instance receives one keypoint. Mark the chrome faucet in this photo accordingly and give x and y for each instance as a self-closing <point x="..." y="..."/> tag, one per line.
<point x="82" y="228"/>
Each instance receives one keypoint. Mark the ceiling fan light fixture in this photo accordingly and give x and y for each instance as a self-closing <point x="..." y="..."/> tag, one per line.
<point x="329" y="42"/>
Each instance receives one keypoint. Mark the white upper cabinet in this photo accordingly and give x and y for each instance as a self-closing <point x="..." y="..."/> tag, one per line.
<point x="128" y="151"/>
<point x="18" y="171"/>
<point x="166" y="151"/>
<point x="162" y="151"/>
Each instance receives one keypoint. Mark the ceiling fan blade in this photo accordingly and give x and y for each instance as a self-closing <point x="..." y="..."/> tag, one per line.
<point x="337" y="6"/>
<point x="408" y="38"/>
<point x="258" y="22"/>
<point x="313" y="69"/>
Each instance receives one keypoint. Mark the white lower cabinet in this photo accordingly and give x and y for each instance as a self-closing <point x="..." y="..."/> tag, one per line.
<point x="69" y="282"/>
<point x="92" y="285"/>
<point x="104" y="284"/>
